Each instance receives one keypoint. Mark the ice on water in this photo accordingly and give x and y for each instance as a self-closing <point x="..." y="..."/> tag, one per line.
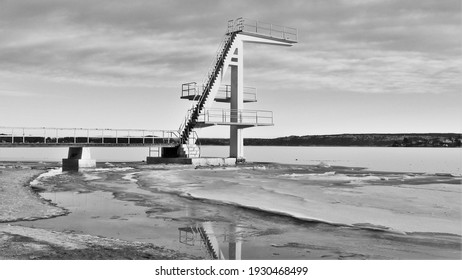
<point x="399" y="202"/>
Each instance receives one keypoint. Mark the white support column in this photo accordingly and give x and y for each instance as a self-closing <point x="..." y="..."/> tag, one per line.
<point x="236" y="149"/>
<point x="77" y="158"/>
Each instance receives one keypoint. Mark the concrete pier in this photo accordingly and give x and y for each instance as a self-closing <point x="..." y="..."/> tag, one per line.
<point x="203" y="161"/>
<point x="78" y="158"/>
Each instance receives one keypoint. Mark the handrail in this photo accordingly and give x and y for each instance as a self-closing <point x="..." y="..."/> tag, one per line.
<point x="192" y="89"/>
<point x="262" y="28"/>
<point x="216" y="58"/>
<point x="186" y="89"/>
<point x="85" y="136"/>
<point x="185" y="120"/>
<point x="85" y="128"/>
<point x="207" y="83"/>
<point x="250" y="93"/>
<point x="251" y="117"/>
<point x="196" y="141"/>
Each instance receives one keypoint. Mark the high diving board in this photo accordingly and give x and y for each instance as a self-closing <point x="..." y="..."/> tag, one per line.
<point x="262" y="32"/>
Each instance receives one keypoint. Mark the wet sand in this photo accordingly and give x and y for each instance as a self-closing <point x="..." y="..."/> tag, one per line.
<point x="165" y="206"/>
<point x="20" y="202"/>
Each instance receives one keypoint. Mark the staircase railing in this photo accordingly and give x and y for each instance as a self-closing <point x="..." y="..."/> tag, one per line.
<point x="216" y="65"/>
<point x="216" y="58"/>
<point x="196" y="141"/>
<point x="185" y="121"/>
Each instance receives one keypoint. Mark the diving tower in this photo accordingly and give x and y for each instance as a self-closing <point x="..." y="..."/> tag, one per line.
<point x="213" y="88"/>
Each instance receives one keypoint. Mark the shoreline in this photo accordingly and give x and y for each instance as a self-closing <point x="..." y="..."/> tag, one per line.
<point x="158" y="196"/>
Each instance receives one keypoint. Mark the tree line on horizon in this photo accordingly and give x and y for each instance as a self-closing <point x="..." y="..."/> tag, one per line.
<point x="366" y="140"/>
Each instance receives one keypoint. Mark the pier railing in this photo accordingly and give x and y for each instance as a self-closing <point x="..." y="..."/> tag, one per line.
<point x="46" y="136"/>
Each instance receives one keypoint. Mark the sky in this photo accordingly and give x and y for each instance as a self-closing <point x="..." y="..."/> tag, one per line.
<point x="376" y="66"/>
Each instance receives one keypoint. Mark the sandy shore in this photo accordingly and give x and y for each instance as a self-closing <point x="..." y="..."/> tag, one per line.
<point x="20" y="203"/>
<point x="17" y="242"/>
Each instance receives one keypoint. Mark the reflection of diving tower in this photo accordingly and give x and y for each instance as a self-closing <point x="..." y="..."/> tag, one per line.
<point x="206" y="234"/>
<point x="230" y="55"/>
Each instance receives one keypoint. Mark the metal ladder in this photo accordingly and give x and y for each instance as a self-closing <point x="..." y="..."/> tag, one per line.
<point x="217" y="64"/>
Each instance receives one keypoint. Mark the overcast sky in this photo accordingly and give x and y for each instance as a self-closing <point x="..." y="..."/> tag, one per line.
<point x="360" y="66"/>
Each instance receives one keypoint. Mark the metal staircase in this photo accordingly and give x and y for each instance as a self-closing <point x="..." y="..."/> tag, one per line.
<point x="216" y="67"/>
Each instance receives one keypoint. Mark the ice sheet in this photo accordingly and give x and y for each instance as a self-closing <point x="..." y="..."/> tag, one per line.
<point x="400" y="202"/>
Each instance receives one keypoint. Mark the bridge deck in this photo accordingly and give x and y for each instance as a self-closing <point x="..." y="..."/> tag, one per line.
<point x="42" y="145"/>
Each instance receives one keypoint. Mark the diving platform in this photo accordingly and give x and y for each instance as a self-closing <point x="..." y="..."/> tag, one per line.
<point x="216" y="88"/>
<point x="267" y="32"/>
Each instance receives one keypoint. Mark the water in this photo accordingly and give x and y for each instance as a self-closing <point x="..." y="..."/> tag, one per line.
<point x="406" y="205"/>
<point x="431" y="160"/>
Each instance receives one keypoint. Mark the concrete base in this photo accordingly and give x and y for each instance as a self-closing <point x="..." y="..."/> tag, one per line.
<point x="77" y="158"/>
<point x="194" y="161"/>
<point x="76" y="164"/>
<point x="165" y="160"/>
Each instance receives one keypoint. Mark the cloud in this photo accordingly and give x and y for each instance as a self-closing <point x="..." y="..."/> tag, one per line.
<point x="16" y="93"/>
<point x="373" y="71"/>
<point x="387" y="46"/>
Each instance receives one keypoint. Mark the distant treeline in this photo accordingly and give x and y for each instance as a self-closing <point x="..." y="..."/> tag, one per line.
<point x="366" y="140"/>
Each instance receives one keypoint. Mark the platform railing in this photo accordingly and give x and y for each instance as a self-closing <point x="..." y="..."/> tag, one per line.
<point x="226" y="116"/>
<point x="250" y="93"/>
<point x="263" y="28"/>
<point x="192" y="90"/>
<point x="39" y="136"/>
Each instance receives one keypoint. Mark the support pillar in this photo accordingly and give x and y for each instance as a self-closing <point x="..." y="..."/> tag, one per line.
<point x="77" y="158"/>
<point x="236" y="140"/>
